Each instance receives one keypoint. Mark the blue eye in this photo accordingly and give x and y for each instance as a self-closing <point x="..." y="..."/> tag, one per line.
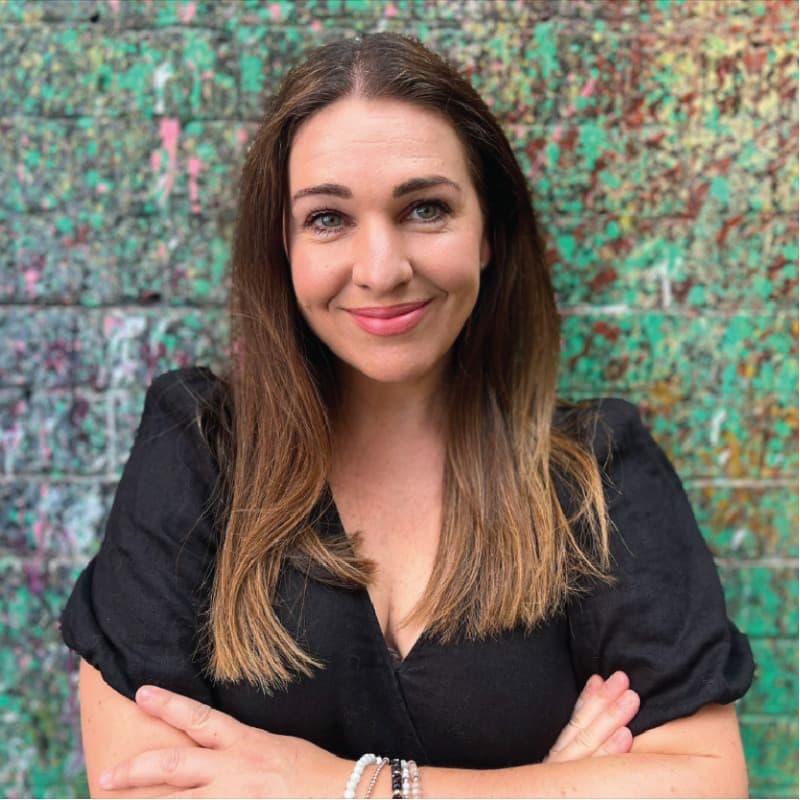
<point x="313" y="220"/>
<point x="431" y="204"/>
<point x="322" y="215"/>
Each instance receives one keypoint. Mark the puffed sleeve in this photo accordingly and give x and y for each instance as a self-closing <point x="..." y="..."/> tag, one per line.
<point x="664" y="621"/>
<point x="133" y="611"/>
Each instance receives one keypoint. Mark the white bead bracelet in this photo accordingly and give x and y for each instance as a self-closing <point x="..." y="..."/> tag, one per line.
<point x="358" y="769"/>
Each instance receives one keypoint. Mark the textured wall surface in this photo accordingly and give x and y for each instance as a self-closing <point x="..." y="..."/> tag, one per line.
<point x="660" y="140"/>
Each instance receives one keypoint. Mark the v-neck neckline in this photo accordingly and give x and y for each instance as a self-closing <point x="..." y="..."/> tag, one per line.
<point x="335" y="525"/>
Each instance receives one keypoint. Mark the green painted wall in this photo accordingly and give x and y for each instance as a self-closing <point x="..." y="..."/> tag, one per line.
<point x="660" y="140"/>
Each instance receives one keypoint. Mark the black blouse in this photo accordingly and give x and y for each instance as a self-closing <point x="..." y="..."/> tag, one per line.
<point x="133" y="614"/>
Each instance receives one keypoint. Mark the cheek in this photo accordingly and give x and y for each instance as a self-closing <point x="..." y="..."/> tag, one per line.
<point x="313" y="285"/>
<point x="455" y="269"/>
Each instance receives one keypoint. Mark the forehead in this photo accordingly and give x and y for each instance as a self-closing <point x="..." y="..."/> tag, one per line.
<point x="374" y="138"/>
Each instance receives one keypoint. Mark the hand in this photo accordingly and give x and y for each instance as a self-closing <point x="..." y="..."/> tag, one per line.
<point x="233" y="760"/>
<point x="597" y="726"/>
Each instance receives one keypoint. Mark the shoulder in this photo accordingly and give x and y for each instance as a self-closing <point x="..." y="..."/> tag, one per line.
<point x="607" y="425"/>
<point x="182" y="391"/>
<point x="175" y="401"/>
<point x="170" y="455"/>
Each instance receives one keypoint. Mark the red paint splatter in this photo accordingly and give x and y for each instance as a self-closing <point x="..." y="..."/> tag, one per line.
<point x="609" y="332"/>
<point x="727" y="226"/>
<point x="603" y="279"/>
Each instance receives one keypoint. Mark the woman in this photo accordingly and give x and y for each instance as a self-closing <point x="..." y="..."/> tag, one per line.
<point x="405" y="546"/>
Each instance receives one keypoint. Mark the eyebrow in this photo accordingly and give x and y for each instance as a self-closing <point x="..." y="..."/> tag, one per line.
<point x="413" y="185"/>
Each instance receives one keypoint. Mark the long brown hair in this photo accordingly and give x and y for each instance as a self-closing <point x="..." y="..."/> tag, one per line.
<point x="509" y="552"/>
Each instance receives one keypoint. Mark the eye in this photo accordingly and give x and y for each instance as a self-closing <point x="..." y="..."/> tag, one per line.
<point x="318" y="221"/>
<point x="441" y="208"/>
<point x="314" y="219"/>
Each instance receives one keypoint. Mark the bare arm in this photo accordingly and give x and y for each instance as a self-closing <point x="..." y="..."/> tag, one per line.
<point x="697" y="756"/>
<point x="114" y="728"/>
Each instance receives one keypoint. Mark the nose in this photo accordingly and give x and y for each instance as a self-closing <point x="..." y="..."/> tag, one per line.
<point x="380" y="262"/>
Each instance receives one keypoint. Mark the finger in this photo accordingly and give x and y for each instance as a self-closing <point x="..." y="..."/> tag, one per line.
<point x="596" y="697"/>
<point x="598" y="700"/>
<point x="208" y="727"/>
<point x="184" y="767"/>
<point x="592" y="685"/>
<point x="592" y="735"/>
<point x="619" y="743"/>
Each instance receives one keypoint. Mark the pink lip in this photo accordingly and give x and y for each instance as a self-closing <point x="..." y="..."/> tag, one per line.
<point x="391" y="320"/>
<point x="385" y="312"/>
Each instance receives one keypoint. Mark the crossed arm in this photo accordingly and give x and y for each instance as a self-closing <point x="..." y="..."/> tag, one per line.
<point x="176" y="747"/>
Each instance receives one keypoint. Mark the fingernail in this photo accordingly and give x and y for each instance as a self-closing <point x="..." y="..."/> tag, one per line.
<point x="592" y="682"/>
<point x="617" y="680"/>
<point x="106" y="780"/>
<point x="621" y="736"/>
<point x="146" y="693"/>
<point x="628" y="699"/>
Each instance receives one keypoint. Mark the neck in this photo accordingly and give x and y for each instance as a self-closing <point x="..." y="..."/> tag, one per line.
<point x="390" y="413"/>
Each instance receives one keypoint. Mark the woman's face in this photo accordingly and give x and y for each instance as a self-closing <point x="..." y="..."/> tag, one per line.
<point x="364" y="231"/>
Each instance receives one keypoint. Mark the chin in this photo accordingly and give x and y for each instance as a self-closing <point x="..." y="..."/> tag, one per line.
<point x="388" y="372"/>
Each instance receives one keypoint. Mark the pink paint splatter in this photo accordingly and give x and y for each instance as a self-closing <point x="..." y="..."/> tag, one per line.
<point x="32" y="277"/>
<point x="40" y="528"/>
<point x="316" y="26"/>
<point x="186" y="13"/>
<point x="101" y="188"/>
<point x="34" y="575"/>
<point x="170" y="130"/>
<point x="275" y="12"/>
<point x="114" y="5"/>
<point x="195" y="166"/>
<point x="588" y="90"/>
<point x="390" y="10"/>
<point x="46" y="450"/>
<point x="241" y="135"/>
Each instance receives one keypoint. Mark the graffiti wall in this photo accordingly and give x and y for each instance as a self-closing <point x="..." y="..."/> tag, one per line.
<point x="660" y="142"/>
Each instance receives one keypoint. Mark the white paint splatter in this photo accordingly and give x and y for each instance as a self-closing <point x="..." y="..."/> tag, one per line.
<point x="161" y="75"/>
<point x="662" y="270"/>
<point x="738" y="538"/>
<point x="716" y="425"/>
<point x="123" y="350"/>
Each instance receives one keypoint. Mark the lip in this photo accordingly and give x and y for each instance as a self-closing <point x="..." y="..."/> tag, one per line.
<point x="390" y="320"/>
<point x="387" y="312"/>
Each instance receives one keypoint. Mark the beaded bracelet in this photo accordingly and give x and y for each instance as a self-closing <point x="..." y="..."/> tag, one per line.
<point x="416" y="788"/>
<point x="355" y="775"/>
<point x="381" y="764"/>
<point x="405" y="777"/>
<point x="397" y="779"/>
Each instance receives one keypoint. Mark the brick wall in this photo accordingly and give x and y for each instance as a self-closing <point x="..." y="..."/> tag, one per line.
<point x="660" y="140"/>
